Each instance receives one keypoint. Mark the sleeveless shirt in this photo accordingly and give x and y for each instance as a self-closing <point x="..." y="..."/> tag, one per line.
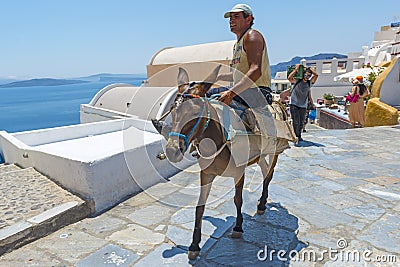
<point x="240" y="65"/>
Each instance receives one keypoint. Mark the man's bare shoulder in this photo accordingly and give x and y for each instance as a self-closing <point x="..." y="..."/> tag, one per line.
<point x="254" y="32"/>
<point x="253" y="36"/>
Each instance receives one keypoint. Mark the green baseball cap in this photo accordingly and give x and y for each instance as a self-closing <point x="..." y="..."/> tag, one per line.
<point x="239" y="8"/>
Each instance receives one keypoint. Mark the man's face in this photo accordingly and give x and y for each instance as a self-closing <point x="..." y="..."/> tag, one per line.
<point x="307" y="75"/>
<point x="238" y="23"/>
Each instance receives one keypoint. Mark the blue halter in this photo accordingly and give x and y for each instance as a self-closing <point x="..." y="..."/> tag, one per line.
<point x="184" y="137"/>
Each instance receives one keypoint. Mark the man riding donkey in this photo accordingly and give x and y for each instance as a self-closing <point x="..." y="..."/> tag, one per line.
<point x="195" y="118"/>
<point x="250" y="74"/>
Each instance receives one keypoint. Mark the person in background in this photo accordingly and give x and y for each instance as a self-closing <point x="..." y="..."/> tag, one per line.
<point x="300" y="96"/>
<point x="357" y="109"/>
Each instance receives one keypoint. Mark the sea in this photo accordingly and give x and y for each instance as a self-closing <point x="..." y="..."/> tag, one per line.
<point x="40" y="107"/>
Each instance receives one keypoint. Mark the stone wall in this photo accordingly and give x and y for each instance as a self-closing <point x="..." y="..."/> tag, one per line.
<point x="380" y="114"/>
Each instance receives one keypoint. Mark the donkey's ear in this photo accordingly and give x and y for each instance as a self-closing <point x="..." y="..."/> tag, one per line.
<point x="183" y="77"/>
<point x="212" y="78"/>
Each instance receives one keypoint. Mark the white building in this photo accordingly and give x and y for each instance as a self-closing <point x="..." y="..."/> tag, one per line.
<point x="385" y="45"/>
<point x="280" y="82"/>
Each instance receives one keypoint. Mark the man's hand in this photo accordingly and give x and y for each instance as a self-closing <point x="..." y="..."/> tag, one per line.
<point x="226" y="97"/>
<point x="313" y="71"/>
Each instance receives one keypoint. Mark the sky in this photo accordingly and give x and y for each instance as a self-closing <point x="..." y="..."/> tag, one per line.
<point x="75" y="38"/>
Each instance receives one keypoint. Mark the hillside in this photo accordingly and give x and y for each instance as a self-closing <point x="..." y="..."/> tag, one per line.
<point x="282" y="66"/>
<point x="42" y="82"/>
<point x="6" y="80"/>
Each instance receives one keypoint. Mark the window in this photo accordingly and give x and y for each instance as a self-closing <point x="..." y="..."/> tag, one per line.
<point x="341" y="66"/>
<point x="326" y="67"/>
<point x="312" y="65"/>
<point x="276" y="88"/>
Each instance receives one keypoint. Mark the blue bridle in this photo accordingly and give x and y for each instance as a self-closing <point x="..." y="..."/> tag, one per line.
<point x="184" y="137"/>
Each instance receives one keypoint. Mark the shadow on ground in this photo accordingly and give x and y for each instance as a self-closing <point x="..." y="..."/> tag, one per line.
<point x="264" y="235"/>
<point x="306" y="143"/>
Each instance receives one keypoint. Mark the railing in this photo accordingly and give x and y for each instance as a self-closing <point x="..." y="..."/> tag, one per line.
<point x="335" y="66"/>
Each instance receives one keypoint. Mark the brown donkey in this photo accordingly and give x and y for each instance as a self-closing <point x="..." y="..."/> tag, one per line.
<point x="194" y="119"/>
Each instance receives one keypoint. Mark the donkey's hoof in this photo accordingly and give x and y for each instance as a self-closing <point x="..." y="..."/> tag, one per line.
<point x="192" y="255"/>
<point x="260" y="212"/>
<point x="236" y="234"/>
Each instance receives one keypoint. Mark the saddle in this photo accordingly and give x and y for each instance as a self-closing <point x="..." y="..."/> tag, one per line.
<point x="239" y="118"/>
<point x="254" y="132"/>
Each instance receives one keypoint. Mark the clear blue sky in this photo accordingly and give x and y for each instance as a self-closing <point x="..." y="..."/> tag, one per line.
<point x="72" y="38"/>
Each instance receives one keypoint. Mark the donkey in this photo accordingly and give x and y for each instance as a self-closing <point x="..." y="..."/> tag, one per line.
<point x="194" y="119"/>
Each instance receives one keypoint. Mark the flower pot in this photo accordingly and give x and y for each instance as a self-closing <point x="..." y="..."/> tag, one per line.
<point x="328" y="102"/>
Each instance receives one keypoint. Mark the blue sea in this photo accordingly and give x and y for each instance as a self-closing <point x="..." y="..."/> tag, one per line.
<point x="39" y="107"/>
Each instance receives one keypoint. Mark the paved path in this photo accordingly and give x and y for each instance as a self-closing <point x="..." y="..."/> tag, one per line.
<point x="31" y="206"/>
<point x="335" y="197"/>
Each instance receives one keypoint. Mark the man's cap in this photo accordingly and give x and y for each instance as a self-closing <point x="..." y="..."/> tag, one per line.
<point x="239" y="8"/>
<point x="360" y="78"/>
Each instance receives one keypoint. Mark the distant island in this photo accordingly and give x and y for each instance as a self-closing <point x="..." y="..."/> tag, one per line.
<point x="101" y="77"/>
<point x="42" y="82"/>
<point x="112" y="77"/>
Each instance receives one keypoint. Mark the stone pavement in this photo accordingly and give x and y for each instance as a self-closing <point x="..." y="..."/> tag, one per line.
<point x="32" y="206"/>
<point x="334" y="201"/>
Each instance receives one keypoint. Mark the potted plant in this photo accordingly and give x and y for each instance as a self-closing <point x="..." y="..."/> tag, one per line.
<point x="328" y="99"/>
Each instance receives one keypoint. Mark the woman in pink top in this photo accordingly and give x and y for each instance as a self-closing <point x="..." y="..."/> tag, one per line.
<point x="357" y="110"/>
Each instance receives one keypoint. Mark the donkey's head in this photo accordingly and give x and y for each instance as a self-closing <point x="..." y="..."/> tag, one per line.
<point x="190" y="113"/>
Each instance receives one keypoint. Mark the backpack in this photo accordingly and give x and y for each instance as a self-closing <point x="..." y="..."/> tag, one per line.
<point x="298" y="75"/>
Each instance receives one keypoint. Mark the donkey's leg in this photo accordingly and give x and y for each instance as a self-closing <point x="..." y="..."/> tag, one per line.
<point x="267" y="171"/>
<point x="238" y="199"/>
<point x="205" y="182"/>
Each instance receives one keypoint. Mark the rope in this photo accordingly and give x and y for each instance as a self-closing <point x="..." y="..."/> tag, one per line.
<point x="164" y="115"/>
<point x="180" y="135"/>
<point x="186" y="138"/>
<point x="213" y="155"/>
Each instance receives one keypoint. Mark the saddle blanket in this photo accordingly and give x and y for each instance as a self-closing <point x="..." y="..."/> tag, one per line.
<point x="255" y="132"/>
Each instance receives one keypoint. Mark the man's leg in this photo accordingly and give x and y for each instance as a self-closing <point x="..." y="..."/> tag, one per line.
<point x="305" y="120"/>
<point x="242" y="98"/>
<point x="296" y="119"/>
<point x="302" y="114"/>
<point x="216" y="90"/>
